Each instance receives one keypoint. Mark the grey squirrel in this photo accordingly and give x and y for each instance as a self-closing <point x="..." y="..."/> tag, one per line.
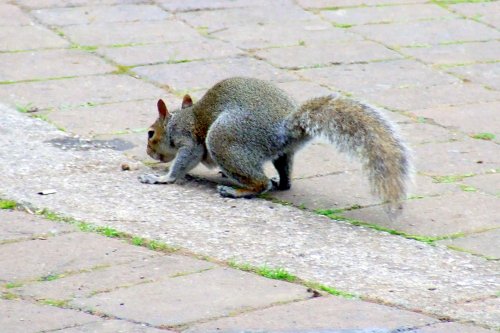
<point x="240" y="123"/>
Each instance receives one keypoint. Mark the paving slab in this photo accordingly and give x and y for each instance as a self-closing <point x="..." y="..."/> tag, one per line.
<point x="456" y="53"/>
<point x="213" y="20"/>
<point x="489" y="183"/>
<point x="73" y="92"/>
<point x="100" y="14"/>
<point x="120" y="33"/>
<point x="435" y="216"/>
<point x="116" y="326"/>
<point x="310" y="55"/>
<point x="48" y="64"/>
<point x="197" y="5"/>
<point x="470" y="119"/>
<point x="487" y="12"/>
<point x="16" y="225"/>
<point x="349" y="3"/>
<point x="257" y="36"/>
<point x="29" y="37"/>
<point x="323" y="313"/>
<point x="430" y="32"/>
<point x="484" y="243"/>
<point x="302" y="91"/>
<point x="124" y="275"/>
<point x="13" y="15"/>
<point x="414" y="97"/>
<point x="378" y="76"/>
<point x="453" y="328"/>
<point x="74" y="3"/>
<point x="113" y="118"/>
<point x="487" y="74"/>
<point x="204" y="74"/>
<point x="170" y="52"/>
<point x="469" y="156"/>
<point x="22" y="316"/>
<point x="63" y="253"/>
<point x="386" y="14"/>
<point x="210" y="294"/>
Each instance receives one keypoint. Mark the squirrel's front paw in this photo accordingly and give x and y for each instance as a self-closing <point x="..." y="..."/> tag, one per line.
<point x="155" y="179"/>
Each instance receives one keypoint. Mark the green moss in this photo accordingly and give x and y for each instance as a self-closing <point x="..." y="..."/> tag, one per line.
<point x="88" y="48"/>
<point x="484" y="136"/>
<point x="11" y="285"/>
<point x="51" y="277"/>
<point x="450" y="178"/>
<point x="60" y="303"/>
<point x="9" y="296"/>
<point x="7" y="204"/>
<point x="265" y="271"/>
<point x="342" y="25"/>
<point x="122" y="69"/>
<point x="467" y="188"/>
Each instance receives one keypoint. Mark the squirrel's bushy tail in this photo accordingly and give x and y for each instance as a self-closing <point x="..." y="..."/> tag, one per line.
<point x="360" y="130"/>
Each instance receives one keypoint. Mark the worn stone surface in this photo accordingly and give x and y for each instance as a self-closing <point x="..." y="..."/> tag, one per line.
<point x="429" y="32"/>
<point x="170" y="52"/>
<point x="349" y="3"/>
<point x="385" y="14"/>
<point x="487" y="74"/>
<point x="256" y="36"/>
<point x="16" y="225"/>
<point x="302" y="91"/>
<point x="204" y="74"/>
<point x="378" y="76"/>
<point x="453" y="328"/>
<point x="12" y="15"/>
<point x="318" y="314"/>
<point x="79" y="91"/>
<point x="185" y="299"/>
<point x="130" y="32"/>
<point x="100" y="14"/>
<point x="402" y="272"/>
<point x="328" y="54"/>
<point x="74" y="3"/>
<point x="22" y="316"/>
<point x="489" y="183"/>
<point x="456" y="53"/>
<point x="28" y="37"/>
<point x="470" y="119"/>
<point x="102" y="280"/>
<point x="115" y="326"/>
<point x="431" y="216"/>
<point x="63" y="253"/>
<point x="487" y="12"/>
<point x="484" y="243"/>
<point x="51" y="64"/>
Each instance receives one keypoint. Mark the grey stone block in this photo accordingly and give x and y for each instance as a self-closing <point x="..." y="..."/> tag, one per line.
<point x="484" y="243"/>
<point x="29" y="37"/>
<point x="487" y="74"/>
<point x="13" y="15"/>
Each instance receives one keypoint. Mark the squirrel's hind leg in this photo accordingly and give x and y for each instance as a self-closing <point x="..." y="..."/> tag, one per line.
<point x="283" y="165"/>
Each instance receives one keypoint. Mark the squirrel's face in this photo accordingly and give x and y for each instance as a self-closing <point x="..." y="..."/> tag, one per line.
<point x="158" y="145"/>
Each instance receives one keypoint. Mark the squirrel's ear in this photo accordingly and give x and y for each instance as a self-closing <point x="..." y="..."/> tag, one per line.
<point x="162" y="109"/>
<point x="187" y="101"/>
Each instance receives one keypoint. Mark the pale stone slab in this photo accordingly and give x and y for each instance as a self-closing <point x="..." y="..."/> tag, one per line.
<point x="73" y="92"/>
<point x="386" y="14"/>
<point x="50" y="64"/>
<point x="429" y="32"/>
<point x="487" y="74"/>
<point x="256" y="36"/>
<point x="87" y="284"/>
<point x="170" y="52"/>
<point x="327" y="54"/>
<point x="316" y="315"/>
<point x="13" y="15"/>
<point x="113" y="326"/>
<point x="75" y="3"/>
<point x="16" y="225"/>
<point x="458" y="157"/>
<point x="378" y="76"/>
<point x="22" y="316"/>
<point x="70" y="252"/>
<point x="415" y="97"/>
<point x="439" y="216"/>
<point x="29" y="37"/>
<point x="456" y="53"/>
<point x="197" y="5"/>
<point x="489" y="183"/>
<point x="486" y="243"/>
<point x="175" y="301"/>
<point x="453" y="328"/>
<point x="204" y="74"/>
<point x="130" y="32"/>
<point x="213" y="20"/>
<point x="100" y="14"/>
<point x="471" y="118"/>
<point x="350" y="3"/>
<point x="114" y="118"/>
<point x="488" y="12"/>
<point x="302" y="91"/>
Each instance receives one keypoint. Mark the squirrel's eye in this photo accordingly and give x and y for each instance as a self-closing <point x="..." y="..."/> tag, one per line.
<point x="150" y="134"/>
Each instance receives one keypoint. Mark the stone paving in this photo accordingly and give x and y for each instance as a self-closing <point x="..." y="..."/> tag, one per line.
<point x="96" y="68"/>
